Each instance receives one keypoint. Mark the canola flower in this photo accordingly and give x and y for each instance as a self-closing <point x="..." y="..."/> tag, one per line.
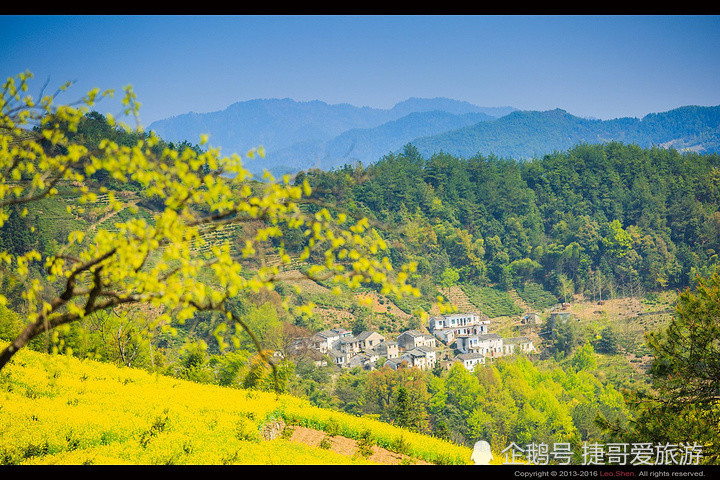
<point x="56" y="409"/>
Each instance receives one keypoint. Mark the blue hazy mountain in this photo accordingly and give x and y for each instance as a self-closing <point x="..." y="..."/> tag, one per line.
<point x="299" y="135"/>
<point x="302" y="135"/>
<point x="414" y="105"/>
<point x="529" y="134"/>
<point x="367" y="145"/>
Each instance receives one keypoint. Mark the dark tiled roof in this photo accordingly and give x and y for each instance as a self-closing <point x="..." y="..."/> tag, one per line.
<point x="413" y="333"/>
<point x="516" y="340"/>
<point x="470" y="356"/>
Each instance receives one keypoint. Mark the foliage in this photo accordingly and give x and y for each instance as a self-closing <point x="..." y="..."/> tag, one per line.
<point x="584" y="358"/>
<point x="46" y="147"/>
<point x="508" y="400"/>
<point x="608" y="342"/>
<point x="565" y="336"/>
<point x="397" y="396"/>
<point x="684" y="406"/>
<point x="602" y="220"/>
<point x="365" y="443"/>
<point x="687" y="353"/>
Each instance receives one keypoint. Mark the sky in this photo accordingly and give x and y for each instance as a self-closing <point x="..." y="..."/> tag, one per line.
<point x="591" y="66"/>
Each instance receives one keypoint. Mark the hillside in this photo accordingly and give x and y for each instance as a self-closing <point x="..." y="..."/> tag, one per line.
<point x="531" y="134"/>
<point x="86" y="412"/>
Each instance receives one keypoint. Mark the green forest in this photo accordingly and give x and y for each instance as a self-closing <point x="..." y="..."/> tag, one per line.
<point x="602" y="220"/>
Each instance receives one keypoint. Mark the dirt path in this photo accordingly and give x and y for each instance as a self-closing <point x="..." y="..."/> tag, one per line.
<point x="347" y="446"/>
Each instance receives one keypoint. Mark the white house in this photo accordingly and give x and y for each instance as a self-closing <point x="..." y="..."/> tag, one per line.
<point x="423" y="357"/>
<point x="342" y="332"/>
<point x="369" y="339"/>
<point x="490" y="344"/>
<point x="339" y="358"/>
<point x="325" y="340"/>
<point x="467" y="343"/>
<point x="362" y="360"/>
<point x="412" y="339"/>
<point x="470" y="360"/>
<point x="445" y="336"/>
<point x="414" y="358"/>
<point x="349" y="344"/>
<point x="458" y="324"/>
<point x="517" y="345"/>
<point x="388" y="350"/>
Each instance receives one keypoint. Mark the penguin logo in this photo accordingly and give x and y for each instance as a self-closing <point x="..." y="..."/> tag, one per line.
<point x="481" y="453"/>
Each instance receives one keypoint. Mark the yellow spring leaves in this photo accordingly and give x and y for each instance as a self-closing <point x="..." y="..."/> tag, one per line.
<point x="155" y="260"/>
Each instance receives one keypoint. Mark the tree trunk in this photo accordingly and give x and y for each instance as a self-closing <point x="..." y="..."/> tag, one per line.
<point x="28" y="334"/>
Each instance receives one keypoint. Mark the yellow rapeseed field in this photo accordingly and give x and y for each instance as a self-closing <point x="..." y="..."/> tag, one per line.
<point x="56" y="409"/>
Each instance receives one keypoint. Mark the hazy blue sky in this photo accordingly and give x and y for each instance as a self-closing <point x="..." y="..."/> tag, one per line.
<point x="595" y="66"/>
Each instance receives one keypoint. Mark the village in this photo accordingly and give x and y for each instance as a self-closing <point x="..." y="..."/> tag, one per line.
<point x="466" y="335"/>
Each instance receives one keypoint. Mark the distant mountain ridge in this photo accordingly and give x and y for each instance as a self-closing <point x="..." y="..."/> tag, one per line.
<point x="527" y="134"/>
<point x="370" y="144"/>
<point x="302" y="135"/>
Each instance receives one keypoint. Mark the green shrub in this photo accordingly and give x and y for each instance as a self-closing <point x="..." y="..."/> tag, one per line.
<point x="493" y="302"/>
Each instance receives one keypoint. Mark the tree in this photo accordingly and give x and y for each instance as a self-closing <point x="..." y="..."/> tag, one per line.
<point x="463" y="389"/>
<point x="399" y="396"/>
<point x="686" y="375"/>
<point x="687" y="354"/>
<point x="155" y="261"/>
<point x="407" y="411"/>
<point x="617" y="242"/>
<point x="194" y="363"/>
<point x="379" y="390"/>
<point x="114" y="335"/>
<point x="565" y="286"/>
<point x="523" y="269"/>
<point x="15" y="235"/>
<point x="449" y="278"/>
<point x="565" y="336"/>
<point x="608" y="341"/>
<point x="584" y="358"/>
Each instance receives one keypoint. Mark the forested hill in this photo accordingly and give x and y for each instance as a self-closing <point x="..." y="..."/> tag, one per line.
<point x="528" y="134"/>
<point x="598" y="219"/>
